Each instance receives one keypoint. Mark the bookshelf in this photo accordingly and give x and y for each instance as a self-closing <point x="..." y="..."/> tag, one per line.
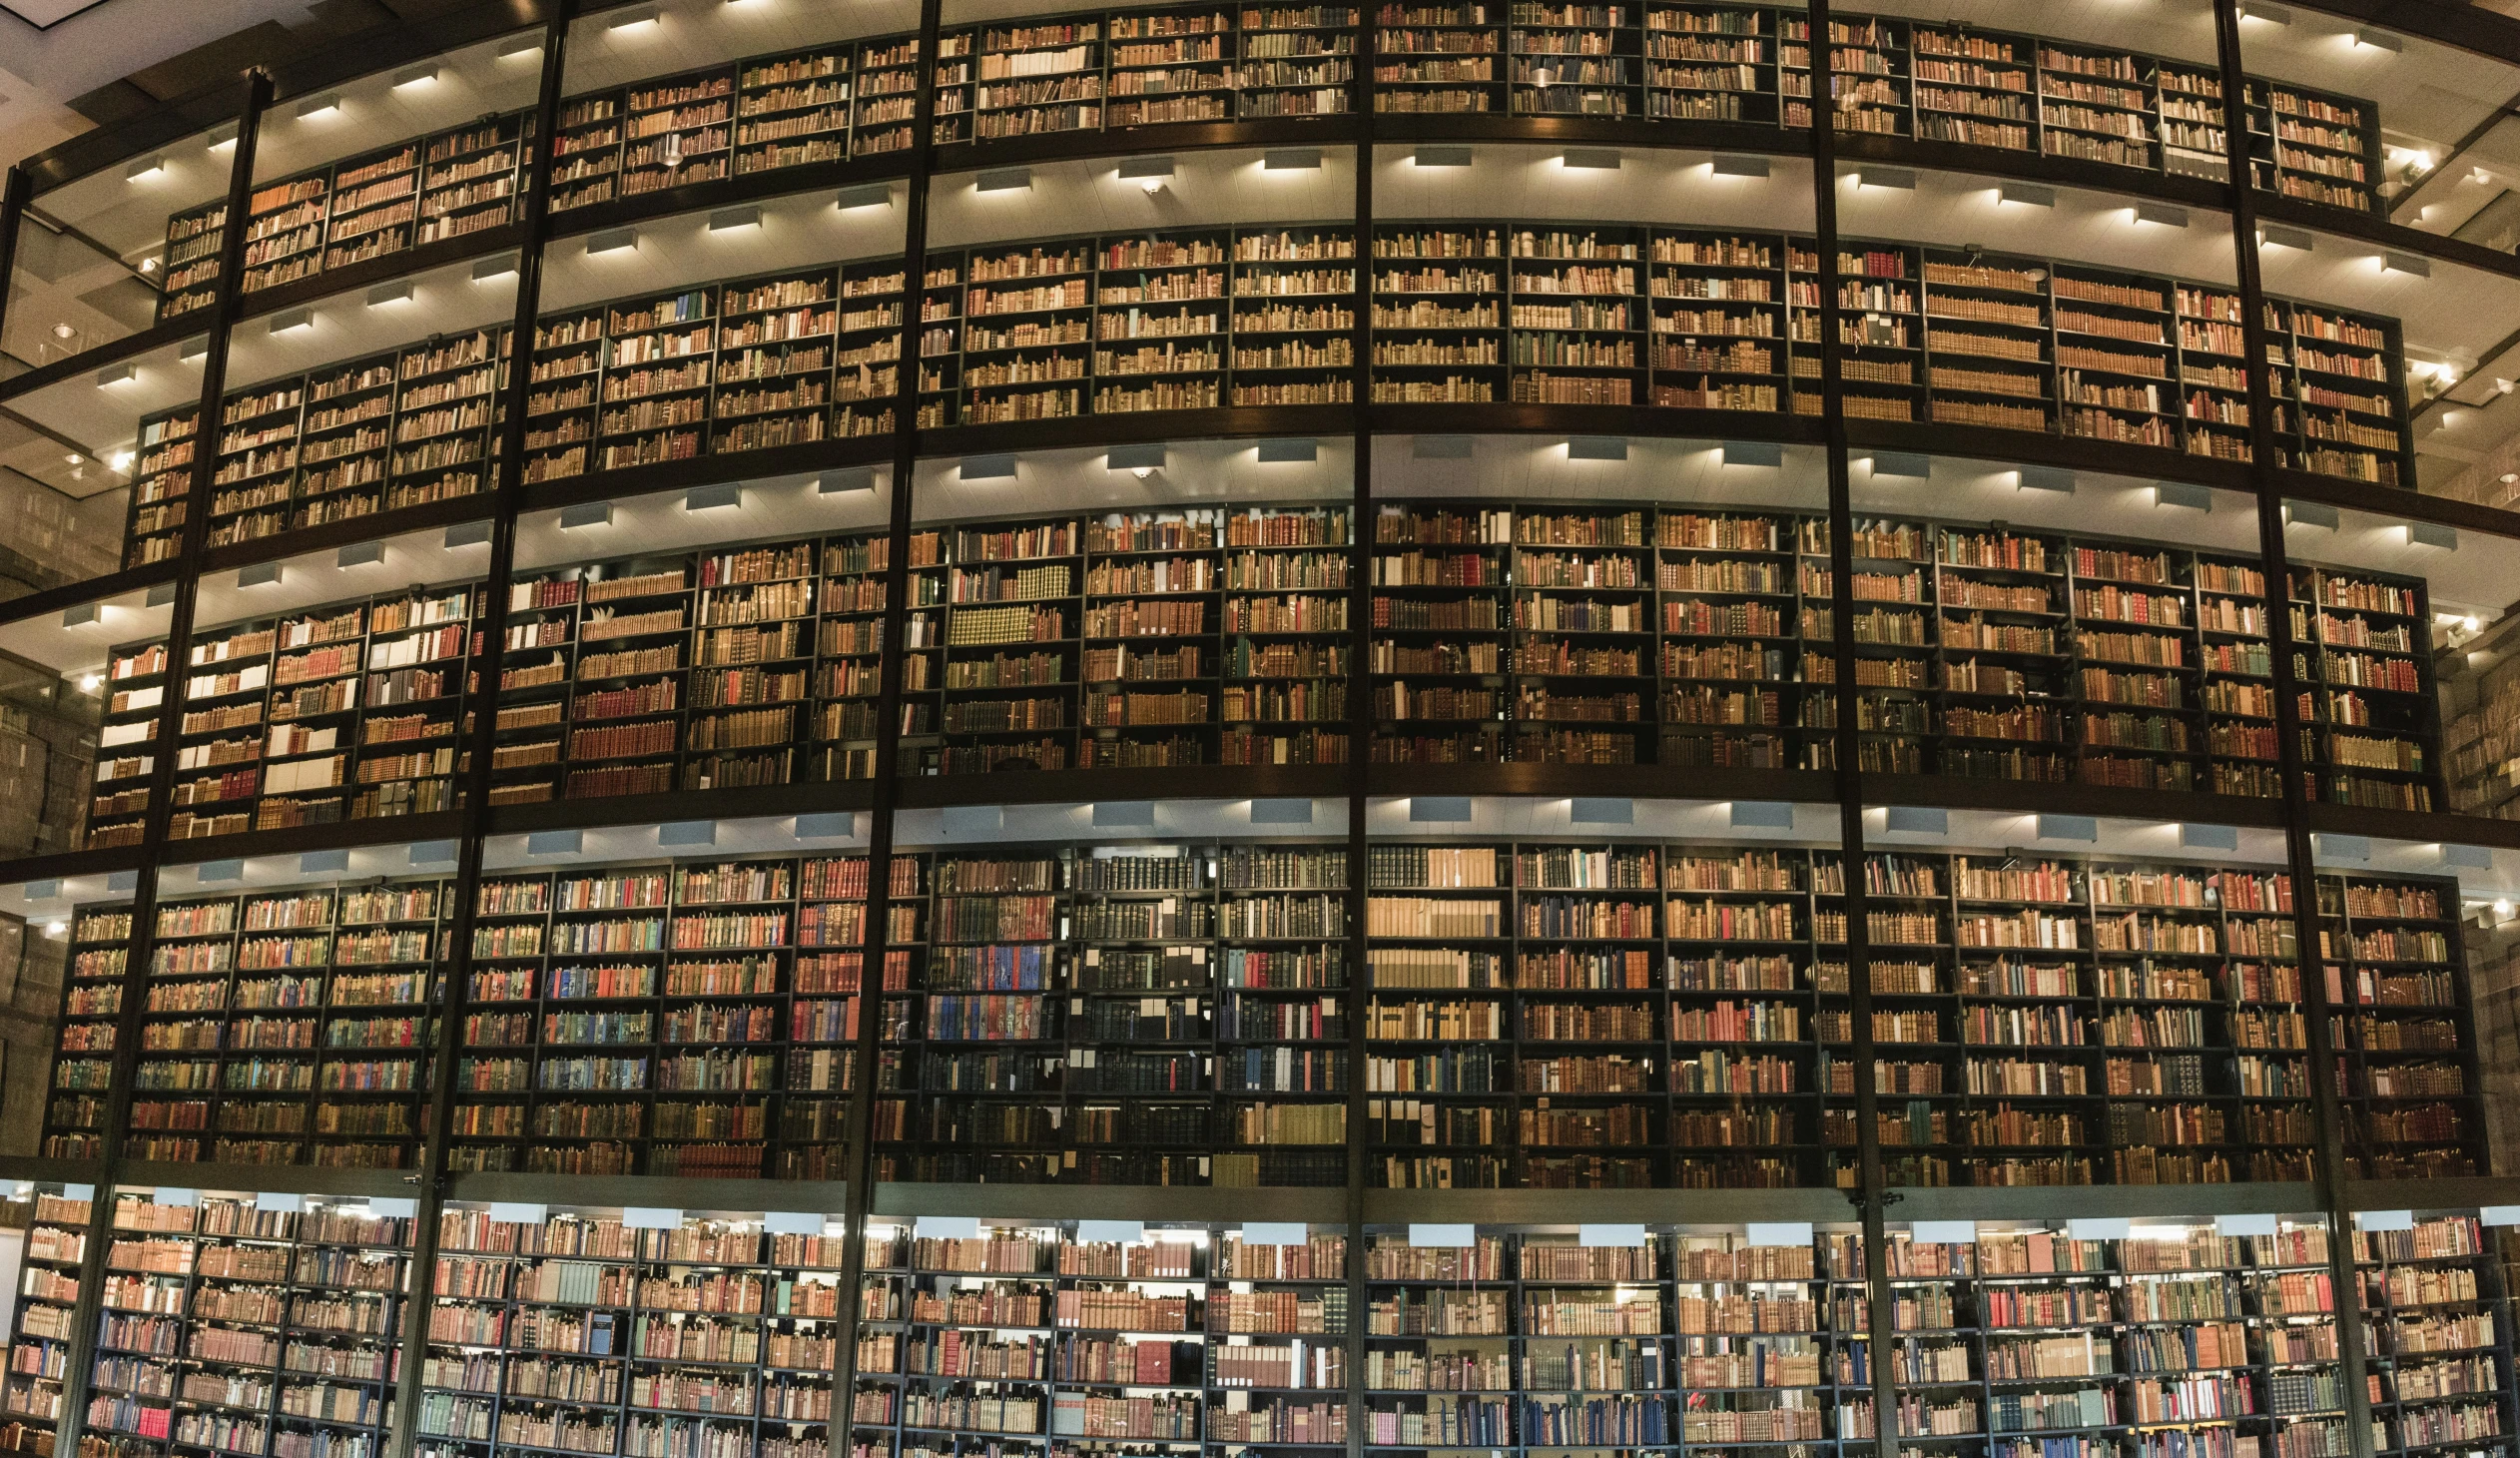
<point x="1987" y="340"/>
<point x="195" y="240"/>
<point x="792" y="110"/>
<point x="1577" y="324"/>
<point x="248" y="1324"/>
<point x="1218" y="636"/>
<point x="1201" y="318"/>
<point x="2349" y="380"/>
<point x="1438" y="314"/>
<point x="344" y="441"/>
<point x="600" y="1330"/>
<point x="659" y="355"/>
<point x="442" y="407"/>
<point x="284" y="231"/>
<point x="2314" y="146"/>
<point x="96" y="980"/>
<point x="2409" y="1077"/>
<point x="135" y="689"/>
<point x="704" y="1012"/>
<point x="1973" y="87"/>
<point x="374" y="205"/>
<point x="1025" y="1338"/>
<point x="2366" y="719"/>
<point x="470" y="177"/>
<point x="1294" y="60"/>
<point x="1443" y="633"/>
<point x="867" y="349"/>
<point x="847" y="680"/>
<point x="1442" y="60"/>
<point x="1723" y="324"/>
<point x="586" y="151"/>
<point x="775" y="360"/>
<point x="1153" y="595"/>
<point x="2428" y="1294"/>
<point x="1293" y="316"/>
<point x="1285" y="659"/>
<point x="2102" y="105"/>
<point x="276" y="712"/>
<point x="1160" y="322"/>
<point x="1038" y="78"/>
<point x="1282" y="1008"/>
<point x="1576" y="60"/>
<point x="46" y="1295"/>
<point x="560" y="406"/>
<point x="887" y="83"/>
<point x="1095" y="69"/>
<point x="162" y="486"/>
<point x="1077" y="1027"/>
<point x="257" y="461"/>
<point x="1148" y="638"/>
<point x="1710" y="63"/>
<point x="1870" y="77"/>
<point x="675" y="132"/>
<point x="280" y="1028"/>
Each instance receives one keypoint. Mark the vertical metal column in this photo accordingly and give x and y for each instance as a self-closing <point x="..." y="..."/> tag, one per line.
<point x="17" y="191"/>
<point x="858" y="1130"/>
<point x="452" y="966"/>
<point x="1360" y="716"/>
<point x="179" y="645"/>
<point x="2301" y="862"/>
<point x="1846" y="743"/>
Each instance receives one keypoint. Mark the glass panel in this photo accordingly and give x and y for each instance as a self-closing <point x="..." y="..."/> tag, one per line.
<point x="342" y="408"/>
<point x="267" y="1319"/>
<point x="666" y="95"/>
<point x="1535" y="1022"/>
<point x="2228" y="1339"/>
<point x="1120" y="1007"/>
<point x="2063" y="313"/>
<point x="116" y="443"/>
<point x="1069" y="288"/>
<point x="391" y="161"/>
<point x="2406" y="631"/>
<point x="2355" y="116"/>
<point x="47" y="1297"/>
<point x="1190" y="610"/>
<point x="2036" y="81"/>
<point x="1551" y="305"/>
<point x="639" y="665"/>
<point x="771" y="324"/>
<point x="1011" y="69"/>
<point x="585" y="1327"/>
<point x="128" y="244"/>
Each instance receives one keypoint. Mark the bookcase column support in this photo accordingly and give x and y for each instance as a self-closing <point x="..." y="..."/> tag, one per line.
<point x="1846" y="744"/>
<point x="1360" y="725"/>
<point x="858" y="1124"/>
<point x="17" y="193"/>
<point x="454" y="962"/>
<point x="70" y="1434"/>
<point x="2300" y="864"/>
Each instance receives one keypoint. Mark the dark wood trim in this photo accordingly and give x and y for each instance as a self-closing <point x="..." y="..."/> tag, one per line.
<point x="477" y="725"/>
<point x="69" y="1436"/>
<point x="2309" y="962"/>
